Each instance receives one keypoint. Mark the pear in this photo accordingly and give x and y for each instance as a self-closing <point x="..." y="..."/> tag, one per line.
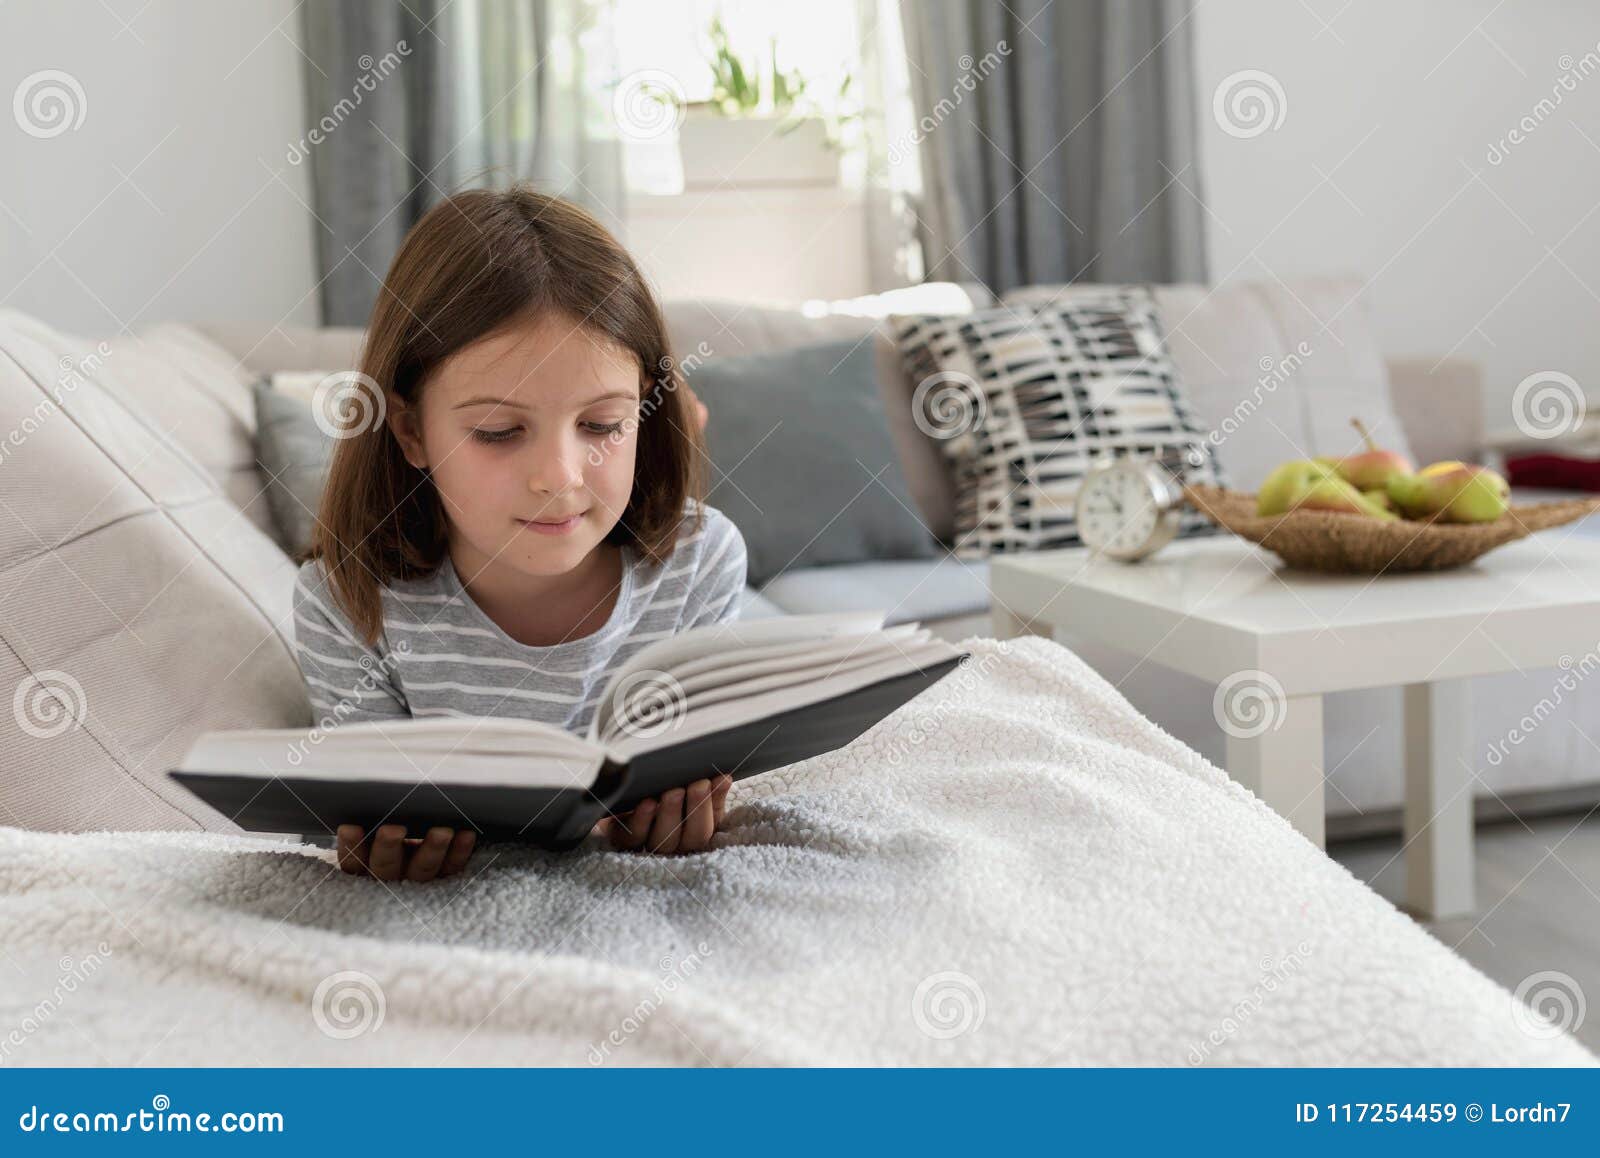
<point x="1482" y="498"/>
<point x="1379" y="498"/>
<point x="1457" y="492"/>
<point x="1372" y="468"/>
<point x="1313" y="486"/>
<point x="1335" y="494"/>
<point x="1287" y="484"/>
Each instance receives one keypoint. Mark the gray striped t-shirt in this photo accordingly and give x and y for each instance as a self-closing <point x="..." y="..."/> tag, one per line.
<point x="439" y="654"/>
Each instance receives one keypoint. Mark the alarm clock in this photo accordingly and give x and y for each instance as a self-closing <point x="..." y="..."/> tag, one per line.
<point x="1129" y="508"/>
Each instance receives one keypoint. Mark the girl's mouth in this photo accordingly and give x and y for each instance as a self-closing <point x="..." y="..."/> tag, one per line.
<point x="552" y="528"/>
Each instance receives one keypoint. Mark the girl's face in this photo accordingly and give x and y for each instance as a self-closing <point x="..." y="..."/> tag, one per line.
<point x="530" y="435"/>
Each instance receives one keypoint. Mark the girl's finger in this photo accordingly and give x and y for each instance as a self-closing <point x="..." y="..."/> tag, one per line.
<point x="667" y="829"/>
<point x="719" y="798"/>
<point x="350" y="849"/>
<point x="429" y="855"/>
<point x="698" y="823"/>
<point x="630" y="829"/>
<point x="388" y="852"/>
<point x="461" y="846"/>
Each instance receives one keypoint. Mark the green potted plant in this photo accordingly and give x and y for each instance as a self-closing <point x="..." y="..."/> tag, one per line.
<point x="763" y="124"/>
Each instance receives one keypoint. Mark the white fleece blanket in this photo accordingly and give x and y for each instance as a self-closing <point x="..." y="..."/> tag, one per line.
<point x="1017" y="867"/>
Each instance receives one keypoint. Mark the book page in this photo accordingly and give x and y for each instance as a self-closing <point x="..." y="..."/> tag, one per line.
<point x="526" y="752"/>
<point x="775" y="656"/>
<point x="812" y="676"/>
<point x="816" y="662"/>
<point x="732" y="713"/>
<point x="727" y="639"/>
<point x="222" y="756"/>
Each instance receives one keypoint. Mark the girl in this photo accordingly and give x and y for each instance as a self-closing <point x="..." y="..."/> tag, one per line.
<point x="523" y="510"/>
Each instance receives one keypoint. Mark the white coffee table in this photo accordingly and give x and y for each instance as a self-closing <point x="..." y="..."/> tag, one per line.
<point x="1225" y="611"/>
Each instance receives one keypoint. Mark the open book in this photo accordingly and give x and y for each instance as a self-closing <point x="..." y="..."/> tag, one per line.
<point x="741" y="698"/>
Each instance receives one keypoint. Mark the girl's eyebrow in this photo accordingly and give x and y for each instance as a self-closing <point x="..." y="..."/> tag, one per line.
<point x="487" y="401"/>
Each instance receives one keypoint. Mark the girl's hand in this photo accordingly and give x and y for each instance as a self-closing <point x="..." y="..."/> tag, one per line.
<point x="682" y="820"/>
<point x="389" y="856"/>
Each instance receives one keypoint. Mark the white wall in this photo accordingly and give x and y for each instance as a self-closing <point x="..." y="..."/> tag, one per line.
<point x="161" y="204"/>
<point x="1381" y="166"/>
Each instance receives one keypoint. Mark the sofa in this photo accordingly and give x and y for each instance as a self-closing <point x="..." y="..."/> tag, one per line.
<point x="142" y="519"/>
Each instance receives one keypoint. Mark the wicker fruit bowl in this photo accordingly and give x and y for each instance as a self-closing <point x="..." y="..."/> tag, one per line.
<point x="1329" y="541"/>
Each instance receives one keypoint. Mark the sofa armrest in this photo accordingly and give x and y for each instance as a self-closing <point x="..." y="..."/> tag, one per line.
<point x="1440" y="406"/>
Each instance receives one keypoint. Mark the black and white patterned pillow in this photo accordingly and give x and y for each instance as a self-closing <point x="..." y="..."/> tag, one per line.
<point x="1027" y="397"/>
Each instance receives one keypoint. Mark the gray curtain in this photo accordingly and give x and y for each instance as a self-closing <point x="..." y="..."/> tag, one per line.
<point x="408" y="101"/>
<point x="1057" y="140"/>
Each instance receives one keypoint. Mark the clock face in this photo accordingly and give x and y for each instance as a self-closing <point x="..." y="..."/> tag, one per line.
<point x="1116" y="511"/>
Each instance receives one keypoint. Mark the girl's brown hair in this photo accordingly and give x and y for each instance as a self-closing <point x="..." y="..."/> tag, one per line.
<point x="475" y="263"/>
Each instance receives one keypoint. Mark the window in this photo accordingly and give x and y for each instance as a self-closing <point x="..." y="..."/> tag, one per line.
<point x="825" y="41"/>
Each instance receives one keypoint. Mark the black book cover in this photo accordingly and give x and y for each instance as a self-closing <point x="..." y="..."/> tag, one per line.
<point x="557" y="818"/>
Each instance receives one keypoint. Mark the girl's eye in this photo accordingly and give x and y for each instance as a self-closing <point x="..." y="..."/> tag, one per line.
<point x="603" y="427"/>
<point x="493" y="436"/>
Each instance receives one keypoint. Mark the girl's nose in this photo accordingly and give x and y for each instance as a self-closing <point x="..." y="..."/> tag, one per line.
<point x="558" y="468"/>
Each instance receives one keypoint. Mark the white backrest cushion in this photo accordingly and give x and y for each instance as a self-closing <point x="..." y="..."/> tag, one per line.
<point x="1278" y="370"/>
<point x="138" y="606"/>
<point x="1239" y="375"/>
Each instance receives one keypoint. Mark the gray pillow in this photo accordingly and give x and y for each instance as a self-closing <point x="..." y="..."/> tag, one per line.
<point x="796" y="437"/>
<point x="293" y="453"/>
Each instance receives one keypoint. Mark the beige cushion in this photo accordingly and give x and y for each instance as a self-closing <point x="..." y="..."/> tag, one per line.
<point x="191" y="388"/>
<point x="267" y="351"/>
<point x="132" y="591"/>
